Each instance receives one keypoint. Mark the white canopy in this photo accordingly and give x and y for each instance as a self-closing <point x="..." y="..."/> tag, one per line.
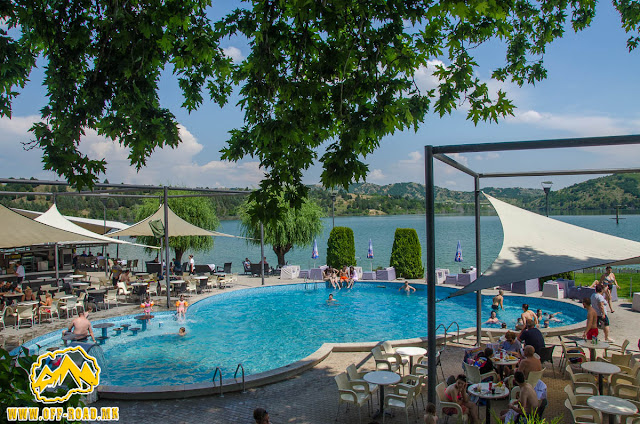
<point x="19" y="231"/>
<point x="97" y="226"/>
<point x="535" y="246"/>
<point x="54" y="218"/>
<point x="177" y="227"/>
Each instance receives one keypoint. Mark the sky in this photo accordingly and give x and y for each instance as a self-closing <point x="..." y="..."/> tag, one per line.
<point x="591" y="90"/>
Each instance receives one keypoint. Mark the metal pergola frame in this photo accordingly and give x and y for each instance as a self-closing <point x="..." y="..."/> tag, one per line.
<point x="440" y="153"/>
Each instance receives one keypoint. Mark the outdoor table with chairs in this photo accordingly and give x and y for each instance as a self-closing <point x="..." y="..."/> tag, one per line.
<point x="600" y="368"/>
<point x="96" y="295"/>
<point x="488" y="391"/>
<point x="612" y="406"/>
<point x="592" y="346"/>
<point x="381" y="378"/>
<point x="140" y="288"/>
<point x="10" y="297"/>
<point x="411" y="351"/>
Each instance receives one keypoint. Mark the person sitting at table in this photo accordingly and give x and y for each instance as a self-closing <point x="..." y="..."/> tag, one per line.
<point x="81" y="327"/>
<point x="529" y="362"/>
<point x="484" y="358"/>
<point x="510" y="344"/>
<point x="493" y="319"/>
<point x="532" y="336"/>
<point x="525" y="403"/>
<point x="125" y="277"/>
<point x="46" y="304"/>
<point x="457" y="392"/>
<point x="28" y="294"/>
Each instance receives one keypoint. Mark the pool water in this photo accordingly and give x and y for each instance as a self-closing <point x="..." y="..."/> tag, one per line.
<point x="269" y="327"/>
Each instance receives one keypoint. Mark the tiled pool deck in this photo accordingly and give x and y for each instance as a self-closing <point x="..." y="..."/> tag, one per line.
<point x="310" y="397"/>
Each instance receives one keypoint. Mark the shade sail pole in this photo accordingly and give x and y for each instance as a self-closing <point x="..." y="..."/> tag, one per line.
<point x="478" y="255"/>
<point x="262" y="252"/>
<point x="431" y="272"/>
<point x="166" y="244"/>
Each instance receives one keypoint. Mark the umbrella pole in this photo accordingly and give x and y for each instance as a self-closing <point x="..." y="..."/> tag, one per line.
<point x="55" y="256"/>
<point x="262" y="252"/>
<point x="478" y="254"/>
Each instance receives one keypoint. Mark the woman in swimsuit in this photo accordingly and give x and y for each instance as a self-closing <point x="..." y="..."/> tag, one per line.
<point x="608" y="280"/>
<point x="457" y="392"/>
<point x="182" y="306"/>
<point x="353" y="277"/>
<point x="493" y="319"/>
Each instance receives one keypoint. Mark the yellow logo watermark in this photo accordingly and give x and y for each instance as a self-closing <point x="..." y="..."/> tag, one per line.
<point x="70" y="368"/>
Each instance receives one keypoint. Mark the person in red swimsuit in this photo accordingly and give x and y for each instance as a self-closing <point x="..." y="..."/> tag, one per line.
<point x="591" y="330"/>
<point x="457" y="392"/>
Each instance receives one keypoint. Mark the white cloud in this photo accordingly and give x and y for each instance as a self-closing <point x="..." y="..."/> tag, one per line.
<point x="580" y="125"/>
<point x="424" y="75"/>
<point x="377" y="176"/>
<point x="234" y="53"/>
<point x="487" y="156"/>
<point x="179" y="166"/>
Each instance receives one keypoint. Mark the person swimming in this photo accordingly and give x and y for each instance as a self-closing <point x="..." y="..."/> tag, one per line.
<point x="406" y="287"/>
<point x="331" y="300"/>
<point x="493" y="319"/>
<point x="182" y="331"/>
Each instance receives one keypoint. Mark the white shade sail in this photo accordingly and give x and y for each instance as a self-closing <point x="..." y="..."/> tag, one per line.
<point x="535" y="246"/>
<point x="54" y="218"/>
<point x="177" y="227"/>
<point x="19" y="231"/>
<point x="98" y="226"/>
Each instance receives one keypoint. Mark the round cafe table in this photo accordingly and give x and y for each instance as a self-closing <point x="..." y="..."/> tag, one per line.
<point x="381" y="378"/>
<point x="600" y="368"/>
<point x="482" y="391"/>
<point x="589" y="344"/>
<point x="612" y="406"/>
<point x="411" y="351"/>
<point x="104" y="327"/>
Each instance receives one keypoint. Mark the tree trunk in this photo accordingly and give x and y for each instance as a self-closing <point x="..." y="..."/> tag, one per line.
<point x="178" y="257"/>
<point x="280" y="251"/>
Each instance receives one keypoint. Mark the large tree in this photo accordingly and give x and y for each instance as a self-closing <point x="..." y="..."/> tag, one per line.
<point x="198" y="211"/>
<point x="325" y="79"/>
<point x="296" y="227"/>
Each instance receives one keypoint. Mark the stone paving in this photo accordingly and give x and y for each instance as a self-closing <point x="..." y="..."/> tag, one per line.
<point x="312" y="396"/>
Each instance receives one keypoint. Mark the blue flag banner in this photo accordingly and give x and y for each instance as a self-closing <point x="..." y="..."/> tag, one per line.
<point x="314" y="253"/>
<point x="458" y="257"/>
<point x="370" y="251"/>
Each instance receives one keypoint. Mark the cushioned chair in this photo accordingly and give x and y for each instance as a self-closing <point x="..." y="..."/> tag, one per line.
<point x="525" y="287"/>
<point x="451" y="279"/>
<point x="552" y="290"/>
<point x="387" y="274"/>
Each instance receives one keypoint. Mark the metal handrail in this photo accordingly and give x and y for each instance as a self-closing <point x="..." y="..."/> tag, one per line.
<point x="458" y="328"/>
<point x="236" y="373"/>
<point x="214" y="379"/>
<point x="445" y="332"/>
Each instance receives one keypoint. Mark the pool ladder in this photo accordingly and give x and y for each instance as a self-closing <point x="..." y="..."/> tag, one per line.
<point x="446" y="331"/>
<point x="240" y="367"/>
<point x="218" y="372"/>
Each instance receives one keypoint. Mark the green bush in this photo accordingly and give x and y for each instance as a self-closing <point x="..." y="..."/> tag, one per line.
<point x="341" y="248"/>
<point x="406" y="255"/>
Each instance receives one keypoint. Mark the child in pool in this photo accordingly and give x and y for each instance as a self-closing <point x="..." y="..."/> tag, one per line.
<point x="181" y="306"/>
<point x="182" y="331"/>
<point x="147" y="305"/>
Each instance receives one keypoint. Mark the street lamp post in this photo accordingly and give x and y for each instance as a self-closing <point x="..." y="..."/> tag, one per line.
<point x="546" y="186"/>
<point x="333" y="209"/>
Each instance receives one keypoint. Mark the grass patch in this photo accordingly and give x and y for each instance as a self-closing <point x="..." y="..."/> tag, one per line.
<point x="624" y="280"/>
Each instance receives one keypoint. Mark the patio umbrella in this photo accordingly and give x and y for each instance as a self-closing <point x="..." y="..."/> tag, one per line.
<point x="370" y="253"/>
<point x="458" y="257"/>
<point x="314" y="252"/>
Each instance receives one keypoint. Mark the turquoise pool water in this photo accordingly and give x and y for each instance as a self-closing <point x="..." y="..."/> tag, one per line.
<point x="269" y="327"/>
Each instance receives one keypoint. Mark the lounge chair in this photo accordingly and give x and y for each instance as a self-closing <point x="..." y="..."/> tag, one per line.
<point x="226" y="268"/>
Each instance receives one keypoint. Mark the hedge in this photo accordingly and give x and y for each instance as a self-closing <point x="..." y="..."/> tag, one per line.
<point x="406" y="255"/>
<point x="341" y="248"/>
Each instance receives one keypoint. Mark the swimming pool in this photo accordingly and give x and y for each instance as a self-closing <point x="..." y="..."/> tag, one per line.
<point x="270" y="327"/>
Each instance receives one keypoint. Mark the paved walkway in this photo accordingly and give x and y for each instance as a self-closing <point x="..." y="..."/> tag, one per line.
<point x="312" y="396"/>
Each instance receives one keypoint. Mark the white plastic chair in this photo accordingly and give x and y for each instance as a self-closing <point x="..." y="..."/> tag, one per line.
<point x="473" y="374"/>
<point x="389" y="349"/>
<point x="383" y="362"/>
<point x="358" y="378"/>
<point x="192" y="287"/>
<point x="444" y="403"/>
<point x="583" y="383"/>
<point x="69" y="306"/>
<point x="4" y="308"/>
<point x="583" y="415"/>
<point x="351" y="393"/>
<point x="24" y="313"/>
<point x="402" y="401"/>
<point x="123" y="290"/>
<point x="111" y="297"/>
<point x="48" y="310"/>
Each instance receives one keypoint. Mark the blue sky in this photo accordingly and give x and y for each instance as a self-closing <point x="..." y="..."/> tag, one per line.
<point x="591" y="90"/>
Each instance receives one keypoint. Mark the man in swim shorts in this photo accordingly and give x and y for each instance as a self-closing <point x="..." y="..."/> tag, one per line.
<point x="81" y="327"/>
<point x="498" y="301"/>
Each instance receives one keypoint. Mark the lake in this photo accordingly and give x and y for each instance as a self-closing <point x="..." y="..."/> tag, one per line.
<point x="381" y="230"/>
